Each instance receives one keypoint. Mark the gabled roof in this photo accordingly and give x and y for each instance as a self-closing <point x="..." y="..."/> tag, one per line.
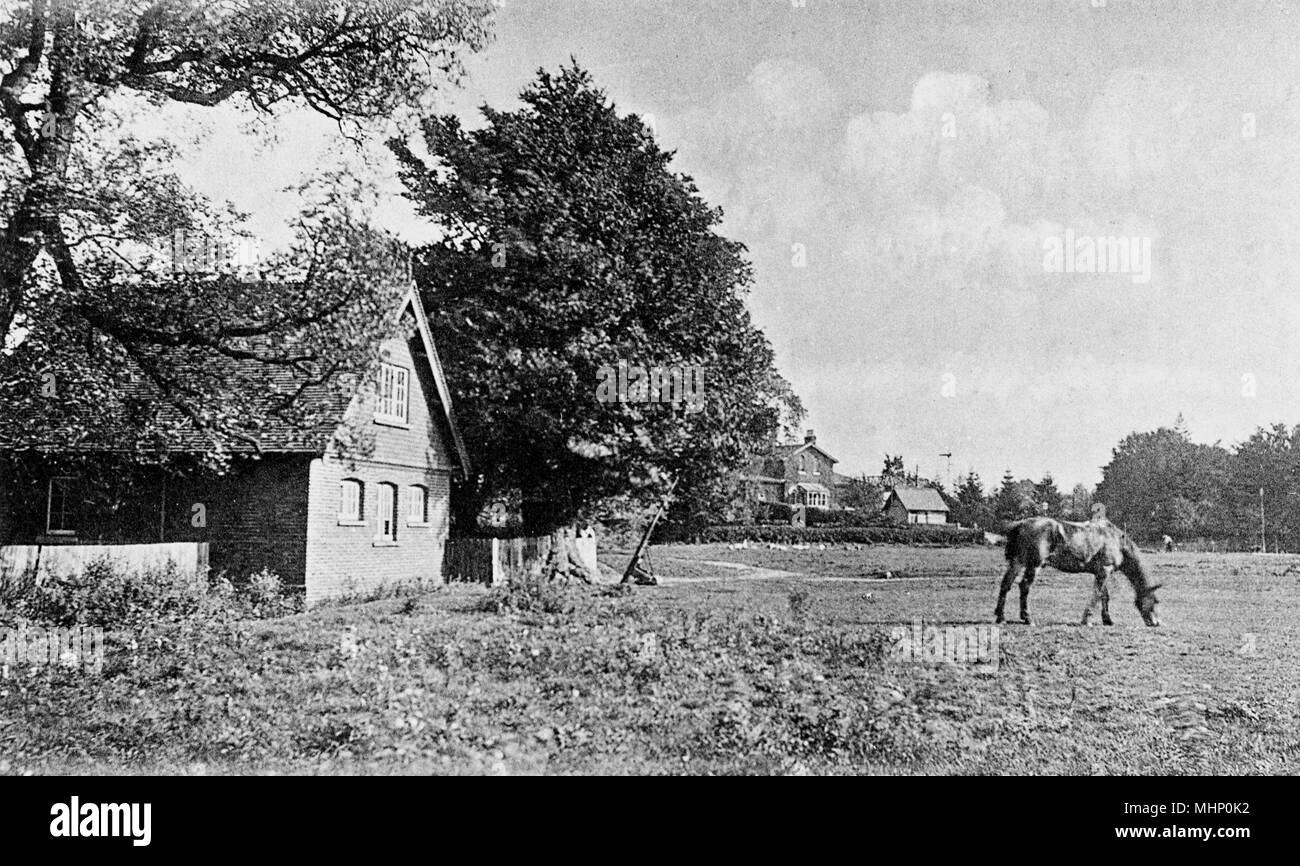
<point x="439" y="377"/>
<point x="920" y="498"/>
<point x="276" y="434"/>
<point x="800" y="447"/>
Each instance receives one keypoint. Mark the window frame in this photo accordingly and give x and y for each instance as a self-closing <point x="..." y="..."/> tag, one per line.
<point x="66" y="483"/>
<point x="359" y="519"/>
<point x="412" y="491"/>
<point x="386" y="396"/>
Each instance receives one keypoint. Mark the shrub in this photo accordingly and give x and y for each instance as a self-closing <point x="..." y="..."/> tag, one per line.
<point x="102" y="595"/>
<point x="530" y="593"/>
<point x="105" y="595"/>
<point x="265" y="597"/>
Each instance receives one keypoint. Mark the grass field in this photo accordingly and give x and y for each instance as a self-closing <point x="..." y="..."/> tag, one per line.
<point x="741" y="661"/>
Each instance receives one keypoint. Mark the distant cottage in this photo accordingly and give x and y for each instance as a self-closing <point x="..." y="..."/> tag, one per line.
<point x="322" y="522"/>
<point x="916" y="505"/>
<point x="796" y="474"/>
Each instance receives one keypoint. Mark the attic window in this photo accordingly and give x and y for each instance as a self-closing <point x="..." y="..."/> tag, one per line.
<point x="394" y="394"/>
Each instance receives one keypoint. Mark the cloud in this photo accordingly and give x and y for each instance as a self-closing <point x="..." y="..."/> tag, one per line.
<point x="925" y="229"/>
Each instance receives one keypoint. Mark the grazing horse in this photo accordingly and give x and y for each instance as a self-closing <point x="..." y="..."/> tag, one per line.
<point x="1097" y="547"/>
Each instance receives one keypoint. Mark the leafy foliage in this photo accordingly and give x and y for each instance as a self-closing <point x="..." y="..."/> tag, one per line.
<point x="1163" y="483"/>
<point x="569" y="245"/>
<point x="99" y="336"/>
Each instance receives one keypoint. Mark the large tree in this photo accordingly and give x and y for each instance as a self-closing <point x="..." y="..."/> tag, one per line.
<point x="972" y="508"/>
<point x="1014" y="499"/>
<point x="1047" y="497"/>
<point x="1160" y="482"/>
<point x="569" y="247"/>
<point x="86" y="301"/>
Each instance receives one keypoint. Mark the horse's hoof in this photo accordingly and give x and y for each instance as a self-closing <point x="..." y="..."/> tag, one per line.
<point x="1108" y="622"/>
<point x="1026" y="620"/>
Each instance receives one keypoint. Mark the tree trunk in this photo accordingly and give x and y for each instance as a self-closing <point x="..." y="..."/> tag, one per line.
<point x="565" y="561"/>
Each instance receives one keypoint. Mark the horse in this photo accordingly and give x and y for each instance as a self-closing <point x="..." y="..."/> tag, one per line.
<point x="1097" y="547"/>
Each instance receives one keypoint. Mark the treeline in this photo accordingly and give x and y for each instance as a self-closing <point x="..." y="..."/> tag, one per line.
<point x="1161" y="483"/>
<point x="1014" y="500"/>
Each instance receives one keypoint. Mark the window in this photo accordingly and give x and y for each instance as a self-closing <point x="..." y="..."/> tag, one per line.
<point x="387" y="513"/>
<point x="817" y="468"/>
<point x="351" y="501"/>
<point x="803" y="465"/>
<point x="61" y="511"/>
<point x="394" y="390"/>
<point x="417" y="505"/>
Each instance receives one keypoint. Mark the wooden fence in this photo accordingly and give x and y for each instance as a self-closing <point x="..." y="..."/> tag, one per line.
<point x="494" y="560"/>
<point x="60" y="560"/>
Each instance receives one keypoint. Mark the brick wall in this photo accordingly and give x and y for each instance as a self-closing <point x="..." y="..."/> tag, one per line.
<point x="345" y="559"/>
<point x="256" y="517"/>
<point x="253" y="518"/>
<point x="281" y="512"/>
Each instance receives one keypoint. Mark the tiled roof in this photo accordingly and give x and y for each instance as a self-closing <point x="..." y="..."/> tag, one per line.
<point x="920" y="499"/>
<point x="320" y="407"/>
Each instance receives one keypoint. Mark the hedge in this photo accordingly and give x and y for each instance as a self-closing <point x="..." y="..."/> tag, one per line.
<point x="781" y="513"/>
<point x="945" y="536"/>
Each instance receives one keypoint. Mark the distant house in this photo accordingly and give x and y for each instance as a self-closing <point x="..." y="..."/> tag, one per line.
<point x="916" y="505"/>
<point x="797" y="474"/>
<point x="324" y="522"/>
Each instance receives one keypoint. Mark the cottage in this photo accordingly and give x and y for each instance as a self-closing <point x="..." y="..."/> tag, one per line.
<point x="325" y="520"/>
<point x="797" y="474"/>
<point x="916" y="505"/>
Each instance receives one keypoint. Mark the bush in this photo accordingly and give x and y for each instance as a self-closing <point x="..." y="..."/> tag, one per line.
<point x="104" y="595"/>
<point x="530" y="593"/>
<point x="101" y="595"/>
<point x="938" y="535"/>
<point x="265" y="597"/>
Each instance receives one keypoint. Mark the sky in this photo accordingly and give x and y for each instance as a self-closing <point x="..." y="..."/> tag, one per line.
<point x="901" y="172"/>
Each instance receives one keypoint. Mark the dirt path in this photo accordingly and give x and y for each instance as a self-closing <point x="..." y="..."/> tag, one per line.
<point x="731" y="571"/>
<point x="740" y="571"/>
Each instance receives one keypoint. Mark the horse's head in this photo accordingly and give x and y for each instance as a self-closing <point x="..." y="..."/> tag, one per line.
<point x="1148" y="605"/>
<point x="1134" y="567"/>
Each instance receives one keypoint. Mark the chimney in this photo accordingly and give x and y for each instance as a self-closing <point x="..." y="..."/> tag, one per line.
<point x="810" y="438"/>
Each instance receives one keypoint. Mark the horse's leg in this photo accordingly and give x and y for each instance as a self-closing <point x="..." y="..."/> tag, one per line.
<point x="1105" y="598"/>
<point x="1025" y="582"/>
<point x="1100" y="593"/>
<point x="1008" y="578"/>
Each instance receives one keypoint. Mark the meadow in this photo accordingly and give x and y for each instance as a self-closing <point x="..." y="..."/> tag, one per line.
<point x="740" y="661"/>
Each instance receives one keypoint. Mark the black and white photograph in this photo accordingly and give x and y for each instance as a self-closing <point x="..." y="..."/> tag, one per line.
<point x="650" y="388"/>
